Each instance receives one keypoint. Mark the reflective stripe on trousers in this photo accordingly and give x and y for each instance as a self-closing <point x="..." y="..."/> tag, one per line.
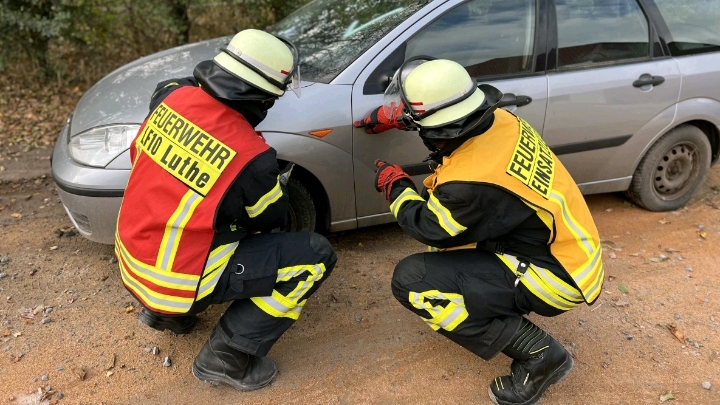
<point x="545" y="285"/>
<point x="291" y="305"/>
<point x="447" y="317"/>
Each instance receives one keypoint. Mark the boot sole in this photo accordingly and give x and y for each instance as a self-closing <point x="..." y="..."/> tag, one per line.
<point x="217" y="379"/>
<point x="555" y="378"/>
<point x="160" y="327"/>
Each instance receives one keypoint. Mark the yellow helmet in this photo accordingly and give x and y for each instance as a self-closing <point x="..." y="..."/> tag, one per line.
<point x="262" y="60"/>
<point x="438" y="92"/>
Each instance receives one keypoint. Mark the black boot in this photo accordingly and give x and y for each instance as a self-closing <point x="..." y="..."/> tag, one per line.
<point x="218" y="362"/>
<point x="179" y="325"/>
<point x="538" y="362"/>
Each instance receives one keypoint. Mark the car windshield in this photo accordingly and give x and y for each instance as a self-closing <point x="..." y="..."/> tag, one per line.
<point x="331" y="34"/>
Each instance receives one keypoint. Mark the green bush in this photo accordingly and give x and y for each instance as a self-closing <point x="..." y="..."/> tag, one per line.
<point x="78" y="41"/>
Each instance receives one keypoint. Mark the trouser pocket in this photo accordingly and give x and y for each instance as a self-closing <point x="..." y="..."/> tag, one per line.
<point x="251" y="273"/>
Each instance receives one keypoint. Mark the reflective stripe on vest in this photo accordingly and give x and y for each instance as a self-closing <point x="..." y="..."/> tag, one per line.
<point x="167" y="292"/>
<point x="534" y="174"/>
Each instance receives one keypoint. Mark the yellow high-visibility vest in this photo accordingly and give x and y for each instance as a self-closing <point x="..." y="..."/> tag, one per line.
<point x="513" y="156"/>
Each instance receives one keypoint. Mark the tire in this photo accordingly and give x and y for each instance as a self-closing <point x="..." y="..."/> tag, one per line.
<point x="302" y="216"/>
<point x="672" y="170"/>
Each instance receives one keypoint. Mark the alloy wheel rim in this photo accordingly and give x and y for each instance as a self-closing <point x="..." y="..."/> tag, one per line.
<point x="676" y="171"/>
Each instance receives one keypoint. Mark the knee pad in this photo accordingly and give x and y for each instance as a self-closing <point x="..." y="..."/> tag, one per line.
<point x="408" y="271"/>
<point x="322" y="246"/>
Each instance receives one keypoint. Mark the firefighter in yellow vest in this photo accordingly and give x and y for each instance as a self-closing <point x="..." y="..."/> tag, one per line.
<point x="204" y="193"/>
<point x="507" y="228"/>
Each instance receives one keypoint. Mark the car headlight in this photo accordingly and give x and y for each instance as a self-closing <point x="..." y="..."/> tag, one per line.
<point x="99" y="146"/>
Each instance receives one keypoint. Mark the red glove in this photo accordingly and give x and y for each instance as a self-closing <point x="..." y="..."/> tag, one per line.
<point x="386" y="176"/>
<point x="378" y="122"/>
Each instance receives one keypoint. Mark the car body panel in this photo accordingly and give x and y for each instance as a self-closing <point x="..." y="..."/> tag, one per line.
<point x="123" y="96"/>
<point x="601" y="104"/>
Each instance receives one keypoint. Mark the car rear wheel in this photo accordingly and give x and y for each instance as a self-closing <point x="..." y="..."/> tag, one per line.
<point x="301" y="213"/>
<point x="672" y="170"/>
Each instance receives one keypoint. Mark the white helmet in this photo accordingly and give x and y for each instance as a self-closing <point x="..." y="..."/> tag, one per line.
<point x="262" y="60"/>
<point x="437" y="92"/>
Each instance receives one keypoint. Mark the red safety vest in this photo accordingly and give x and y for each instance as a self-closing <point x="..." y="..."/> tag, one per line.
<point x="187" y="153"/>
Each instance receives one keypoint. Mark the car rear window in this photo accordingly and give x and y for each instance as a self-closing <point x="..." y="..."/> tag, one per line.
<point x="694" y="25"/>
<point x="600" y="31"/>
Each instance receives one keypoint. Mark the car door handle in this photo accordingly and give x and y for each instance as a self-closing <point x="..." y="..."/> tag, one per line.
<point x="649" y="80"/>
<point x="511" y="99"/>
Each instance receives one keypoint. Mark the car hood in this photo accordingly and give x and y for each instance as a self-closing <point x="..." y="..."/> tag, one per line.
<point x="123" y="96"/>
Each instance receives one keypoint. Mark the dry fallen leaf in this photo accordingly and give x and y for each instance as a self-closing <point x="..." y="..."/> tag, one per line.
<point x="53" y="247"/>
<point x="703" y="234"/>
<point x="611" y="278"/>
<point x="129" y="309"/>
<point x="677" y="333"/>
<point x="16" y="215"/>
<point x="667" y="397"/>
<point x="658" y="259"/>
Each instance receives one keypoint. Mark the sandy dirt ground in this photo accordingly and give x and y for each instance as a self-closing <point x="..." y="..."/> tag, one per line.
<point x="65" y="325"/>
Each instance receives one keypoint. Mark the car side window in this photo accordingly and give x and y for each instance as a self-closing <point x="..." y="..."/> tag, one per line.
<point x="600" y="31"/>
<point x="487" y="37"/>
<point x="693" y="25"/>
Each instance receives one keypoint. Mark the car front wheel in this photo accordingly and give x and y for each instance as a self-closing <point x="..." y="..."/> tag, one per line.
<point x="672" y="170"/>
<point x="301" y="213"/>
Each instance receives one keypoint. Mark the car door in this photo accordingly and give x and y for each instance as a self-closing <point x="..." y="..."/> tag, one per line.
<point x="495" y="40"/>
<point x="612" y="90"/>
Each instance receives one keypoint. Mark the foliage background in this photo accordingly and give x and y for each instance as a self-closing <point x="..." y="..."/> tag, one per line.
<point x="76" y="42"/>
<point x="51" y="51"/>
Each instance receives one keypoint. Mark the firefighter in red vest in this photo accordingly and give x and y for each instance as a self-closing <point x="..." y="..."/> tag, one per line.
<point x="204" y="193"/>
<point x="508" y="231"/>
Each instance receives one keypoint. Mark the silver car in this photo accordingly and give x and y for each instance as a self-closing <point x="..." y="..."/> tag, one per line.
<point x="626" y="93"/>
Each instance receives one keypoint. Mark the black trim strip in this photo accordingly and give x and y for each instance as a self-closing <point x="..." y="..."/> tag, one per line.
<point x="417" y="169"/>
<point x="541" y="35"/>
<point x="590" y="145"/>
<point x="87" y="192"/>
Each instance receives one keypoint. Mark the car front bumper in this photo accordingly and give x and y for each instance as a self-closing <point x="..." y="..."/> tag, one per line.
<point x="91" y="196"/>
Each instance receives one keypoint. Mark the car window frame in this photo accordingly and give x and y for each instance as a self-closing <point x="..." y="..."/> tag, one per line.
<point x="663" y="30"/>
<point x="394" y="60"/>
<point x="657" y="49"/>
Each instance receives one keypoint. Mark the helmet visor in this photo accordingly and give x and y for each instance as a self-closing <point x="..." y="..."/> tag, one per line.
<point x="395" y="104"/>
<point x="293" y="80"/>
